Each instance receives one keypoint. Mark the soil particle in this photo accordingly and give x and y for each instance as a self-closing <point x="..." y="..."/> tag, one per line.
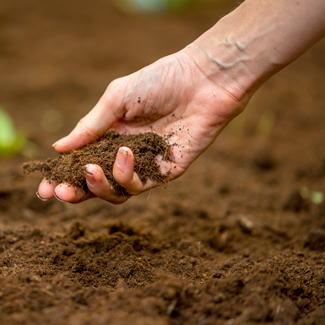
<point x="70" y="167"/>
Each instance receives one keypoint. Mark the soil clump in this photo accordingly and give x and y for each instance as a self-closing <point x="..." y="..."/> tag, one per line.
<point x="70" y="167"/>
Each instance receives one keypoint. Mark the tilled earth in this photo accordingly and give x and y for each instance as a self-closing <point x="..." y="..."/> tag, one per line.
<point x="232" y="241"/>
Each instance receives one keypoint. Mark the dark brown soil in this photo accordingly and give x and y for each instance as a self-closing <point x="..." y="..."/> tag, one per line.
<point x="70" y="167"/>
<point x="232" y="241"/>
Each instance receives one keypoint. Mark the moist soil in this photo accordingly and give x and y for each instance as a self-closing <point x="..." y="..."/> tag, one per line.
<point x="232" y="241"/>
<point x="70" y="167"/>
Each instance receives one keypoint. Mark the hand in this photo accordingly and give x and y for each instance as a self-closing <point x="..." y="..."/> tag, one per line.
<point x="175" y="95"/>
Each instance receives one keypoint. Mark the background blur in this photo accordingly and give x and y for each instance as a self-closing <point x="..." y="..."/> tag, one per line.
<point x="56" y="58"/>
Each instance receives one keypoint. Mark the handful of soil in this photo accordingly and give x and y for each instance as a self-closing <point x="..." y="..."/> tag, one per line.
<point x="70" y="167"/>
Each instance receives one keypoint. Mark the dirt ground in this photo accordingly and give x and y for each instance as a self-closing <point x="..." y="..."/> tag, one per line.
<point x="230" y="242"/>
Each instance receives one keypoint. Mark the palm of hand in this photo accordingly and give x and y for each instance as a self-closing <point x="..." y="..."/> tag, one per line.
<point x="172" y="96"/>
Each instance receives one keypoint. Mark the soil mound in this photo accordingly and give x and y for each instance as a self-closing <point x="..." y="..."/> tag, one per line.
<point x="70" y="167"/>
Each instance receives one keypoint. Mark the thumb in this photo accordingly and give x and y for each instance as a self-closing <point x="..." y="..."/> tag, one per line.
<point x="95" y="124"/>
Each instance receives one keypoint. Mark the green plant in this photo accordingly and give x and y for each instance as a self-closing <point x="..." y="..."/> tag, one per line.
<point x="11" y="141"/>
<point x="152" y="6"/>
<point x="317" y="197"/>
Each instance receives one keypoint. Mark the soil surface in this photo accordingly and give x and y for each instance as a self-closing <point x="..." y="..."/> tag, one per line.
<point x="70" y="167"/>
<point x="236" y="240"/>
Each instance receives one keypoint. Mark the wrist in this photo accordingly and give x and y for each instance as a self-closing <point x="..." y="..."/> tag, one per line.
<point x="255" y="41"/>
<point x="222" y="66"/>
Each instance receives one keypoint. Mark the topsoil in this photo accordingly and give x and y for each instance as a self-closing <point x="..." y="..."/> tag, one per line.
<point x="232" y="241"/>
<point x="70" y="167"/>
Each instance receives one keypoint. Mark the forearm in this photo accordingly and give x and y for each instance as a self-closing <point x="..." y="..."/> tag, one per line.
<point x="256" y="40"/>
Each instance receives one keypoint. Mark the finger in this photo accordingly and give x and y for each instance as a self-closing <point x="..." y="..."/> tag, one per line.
<point x="123" y="172"/>
<point x="96" y="123"/>
<point x="46" y="189"/>
<point x="100" y="187"/>
<point x="68" y="193"/>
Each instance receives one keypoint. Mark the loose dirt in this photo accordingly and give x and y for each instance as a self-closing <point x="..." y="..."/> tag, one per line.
<point x="232" y="241"/>
<point x="70" y="167"/>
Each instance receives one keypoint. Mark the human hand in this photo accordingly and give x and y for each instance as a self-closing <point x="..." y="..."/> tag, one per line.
<point x="176" y="95"/>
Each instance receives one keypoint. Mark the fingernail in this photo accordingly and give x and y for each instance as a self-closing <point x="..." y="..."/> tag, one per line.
<point x="90" y="177"/>
<point x="58" y="198"/>
<point x="55" y="143"/>
<point x="121" y="158"/>
<point x="37" y="194"/>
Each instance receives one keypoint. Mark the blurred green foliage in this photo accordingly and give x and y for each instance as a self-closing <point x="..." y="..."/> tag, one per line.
<point x="11" y="141"/>
<point x="317" y="197"/>
<point x="159" y="6"/>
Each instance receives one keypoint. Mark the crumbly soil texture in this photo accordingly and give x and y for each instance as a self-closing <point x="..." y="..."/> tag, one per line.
<point x="70" y="167"/>
<point x="238" y="239"/>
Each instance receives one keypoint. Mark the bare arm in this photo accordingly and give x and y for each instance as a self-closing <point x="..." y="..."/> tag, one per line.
<point x="259" y="38"/>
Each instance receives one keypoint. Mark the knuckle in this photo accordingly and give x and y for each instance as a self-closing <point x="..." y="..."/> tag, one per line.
<point x="84" y="128"/>
<point x="113" y="86"/>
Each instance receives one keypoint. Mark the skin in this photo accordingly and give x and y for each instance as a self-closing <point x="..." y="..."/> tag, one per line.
<point x="194" y="93"/>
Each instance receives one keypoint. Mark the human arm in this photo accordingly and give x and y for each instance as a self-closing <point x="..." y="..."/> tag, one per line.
<point x="258" y="39"/>
<point x="201" y="88"/>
